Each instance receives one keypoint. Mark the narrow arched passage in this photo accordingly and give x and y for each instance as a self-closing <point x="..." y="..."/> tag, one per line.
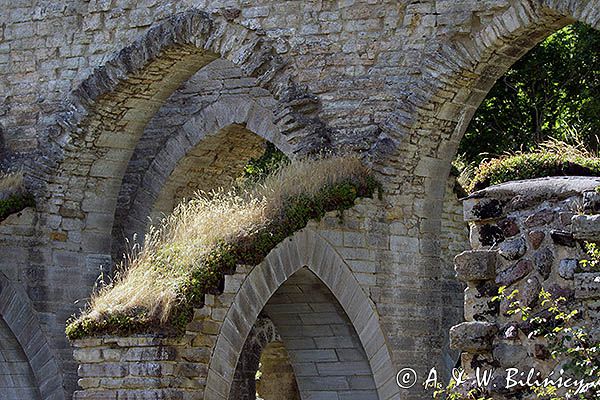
<point x="306" y="252"/>
<point x="28" y="368"/>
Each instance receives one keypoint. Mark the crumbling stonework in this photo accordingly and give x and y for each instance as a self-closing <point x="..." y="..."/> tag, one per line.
<point x="525" y="235"/>
<point x="95" y="95"/>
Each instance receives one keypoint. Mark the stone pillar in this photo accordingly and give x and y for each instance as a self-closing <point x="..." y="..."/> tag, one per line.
<point x="524" y="235"/>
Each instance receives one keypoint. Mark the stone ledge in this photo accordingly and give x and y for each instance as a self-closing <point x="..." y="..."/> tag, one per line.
<point x="496" y="201"/>
<point x="587" y="285"/>
<point x="475" y="265"/>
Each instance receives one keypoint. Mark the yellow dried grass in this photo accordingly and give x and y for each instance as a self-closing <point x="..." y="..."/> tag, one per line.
<point x="155" y="273"/>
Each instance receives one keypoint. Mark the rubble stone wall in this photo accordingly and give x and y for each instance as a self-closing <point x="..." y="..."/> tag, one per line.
<point x="526" y="236"/>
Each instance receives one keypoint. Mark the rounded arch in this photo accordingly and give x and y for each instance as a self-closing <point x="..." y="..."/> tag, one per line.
<point x="93" y="141"/>
<point x="459" y="73"/>
<point x="304" y="249"/>
<point x="239" y="119"/>
<point x="18" y="315"/>
<point x="479" y="61"/>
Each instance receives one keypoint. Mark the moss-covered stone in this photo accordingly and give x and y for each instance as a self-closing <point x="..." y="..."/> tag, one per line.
<point x="532" y="165"/>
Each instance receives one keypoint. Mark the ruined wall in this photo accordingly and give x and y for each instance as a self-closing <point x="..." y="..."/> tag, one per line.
<point x="330" y="330"/>
<point x="396" y="81"/>
<point x="525" y="235"/>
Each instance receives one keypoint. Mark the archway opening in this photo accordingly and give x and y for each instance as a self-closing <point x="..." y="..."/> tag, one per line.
<point x="313" y="335"/>
<point x="264" y="370"/>
<point x="479" y="60"/>
<point x="497" y="83"/>
<point x="276" y="378"/>
<point x="17" y="380"/>
<point x="547" y="101"/>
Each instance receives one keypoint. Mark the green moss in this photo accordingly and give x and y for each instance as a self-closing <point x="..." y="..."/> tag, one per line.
<point x="532" y="165"/>
<point x="207" y="276"/>
<point x="15" y="203"/>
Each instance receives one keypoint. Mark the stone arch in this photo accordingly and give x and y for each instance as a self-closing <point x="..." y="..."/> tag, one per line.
<point x="305" y="249"/>
<point x="455" y="79"/>
<point x="233" y="118"/>
<point x="465" y="69"/>
<point x="112" y="105"/>
<point x="477" y="63"/>
<point x="90" y="146"/>
<point x="18" y="318"/>
<point x="460" y="72"/>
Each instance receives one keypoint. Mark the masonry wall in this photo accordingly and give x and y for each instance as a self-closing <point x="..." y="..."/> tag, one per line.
<point x="395" y="81"/>
<point x="320" y="315"/>
<point x="527" y="236"/>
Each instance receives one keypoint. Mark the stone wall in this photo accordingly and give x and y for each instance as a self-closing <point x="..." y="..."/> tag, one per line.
<point x="525" y="235"/>
<point x="325" y="321"/>
<point x="396" y="81"/>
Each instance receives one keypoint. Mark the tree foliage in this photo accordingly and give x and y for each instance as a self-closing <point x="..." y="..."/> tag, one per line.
<point x="551" y="92"/>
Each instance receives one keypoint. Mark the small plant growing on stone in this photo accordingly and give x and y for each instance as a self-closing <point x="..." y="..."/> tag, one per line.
<point x="570" y="343"/>
<point x="592" y="262"/>
<point x="453" y="392"/>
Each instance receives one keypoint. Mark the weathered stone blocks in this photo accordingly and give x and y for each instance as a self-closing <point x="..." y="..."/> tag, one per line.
<point x="538" y="245"/>
<point x="473" y="337"/>
<point x="586" y="227"/>
<point x="475" y="265"/>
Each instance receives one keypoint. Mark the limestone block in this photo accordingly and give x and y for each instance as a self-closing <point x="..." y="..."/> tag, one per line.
<point x="475" y="265"/>
<point x="513" y="248"/>
<point x="587" y="285"/>
<point x="515" y="272"/>
<point x="473" y="337"/>
<point x="567" y="267"/>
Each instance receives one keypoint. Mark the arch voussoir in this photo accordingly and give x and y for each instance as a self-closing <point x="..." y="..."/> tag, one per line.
<point x="18" y="314"/>
<point x="304" y="249"/>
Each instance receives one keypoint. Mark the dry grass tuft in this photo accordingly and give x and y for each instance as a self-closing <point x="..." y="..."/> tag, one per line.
<point x="154" y="276"/>
<point x="11" y="183"/>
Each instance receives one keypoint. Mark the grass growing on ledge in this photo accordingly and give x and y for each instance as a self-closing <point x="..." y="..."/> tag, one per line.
<point x="204" y="239"/>
<point x="13" y="196"/>
<point x="553" y="158"/>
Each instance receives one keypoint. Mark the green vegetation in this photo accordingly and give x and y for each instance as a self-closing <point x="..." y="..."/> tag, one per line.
<point x="556" y="323"/>
<point x="570" y="342"/>
<point x="557" y="160"/>
<point x="257" y="169"/>
<point x="551" y="92"/>
<point x="15" y="203"/>
<point x="592" y="262"/>
<point x="13" y="196"/>
<point x="188" y="256"/>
